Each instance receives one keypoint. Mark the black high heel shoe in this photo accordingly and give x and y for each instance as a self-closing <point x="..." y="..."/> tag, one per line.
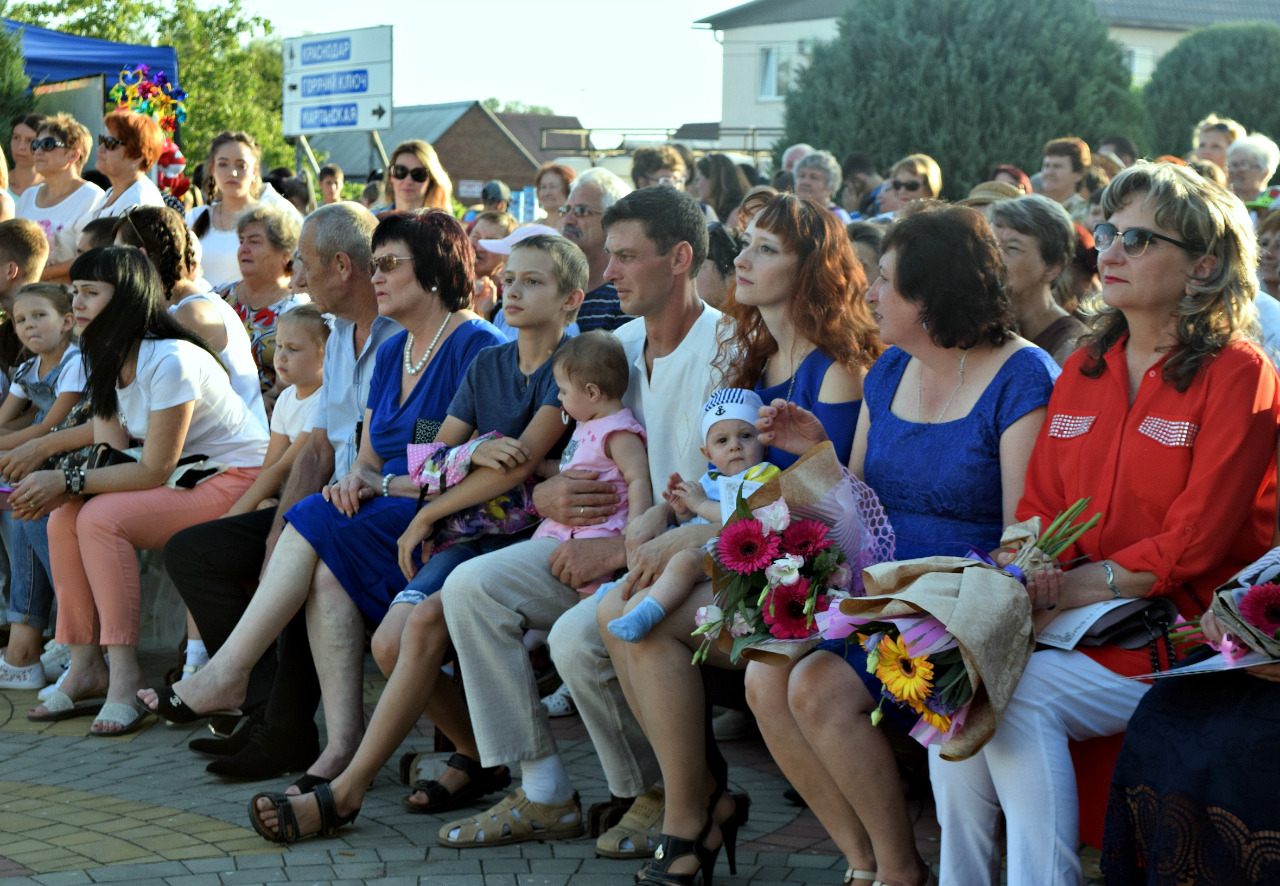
<point x="729" y="828"/>
<point x="670" y="848"/>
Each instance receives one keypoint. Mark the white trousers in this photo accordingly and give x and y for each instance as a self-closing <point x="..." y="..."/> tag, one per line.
<point x="1026" y="770"/>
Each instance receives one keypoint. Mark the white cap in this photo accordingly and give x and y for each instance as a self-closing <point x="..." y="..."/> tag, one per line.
<point x="503" y="246"/>
<point x="730" y="403"/>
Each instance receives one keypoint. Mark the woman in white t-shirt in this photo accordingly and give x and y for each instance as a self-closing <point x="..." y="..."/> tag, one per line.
<point x="130" y="146"/>
<point x="160" y="233"/>
<point x="154" y="381"/>
<point x="59" y="203"/>
<point x="235" y="165"/>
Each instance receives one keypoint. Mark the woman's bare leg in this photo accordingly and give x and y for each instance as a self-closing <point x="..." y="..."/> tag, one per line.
<point x="768" y="688"/>
<point x="861" y="763"/>
<point x="282" y="592"/>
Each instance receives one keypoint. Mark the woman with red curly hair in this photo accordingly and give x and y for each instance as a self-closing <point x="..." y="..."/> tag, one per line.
<point x="802" y="331"/>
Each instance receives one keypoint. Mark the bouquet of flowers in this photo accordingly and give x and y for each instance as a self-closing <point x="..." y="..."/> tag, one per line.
<point x="949" y="637"/>
<point x="1248" y="608"/>
<point x="791" y="550"/>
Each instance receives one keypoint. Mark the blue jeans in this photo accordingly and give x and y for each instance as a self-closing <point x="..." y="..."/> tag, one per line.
<point x="30" y="589"/>
<point x="430" y="578"/>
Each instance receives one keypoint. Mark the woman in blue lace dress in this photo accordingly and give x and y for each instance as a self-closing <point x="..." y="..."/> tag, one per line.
<point x="951" y="412"/>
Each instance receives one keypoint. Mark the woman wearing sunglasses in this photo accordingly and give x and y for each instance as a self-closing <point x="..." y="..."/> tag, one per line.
<point x="130" y="146"/>
<point x="416" y="180"/>
<point x="916" y="177"/>
<point x="235" y="161"/>
<point x="1167" y="418"/>
<point x="63" y="199"/>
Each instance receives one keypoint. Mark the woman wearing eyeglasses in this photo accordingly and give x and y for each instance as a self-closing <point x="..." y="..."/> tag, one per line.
<point x="1167" y="418"/>
<point x="916" y="177"/>
<point x="235" y="161"/>
<point x="63" y="198"/>
<point x="131" y="145"/>
<point x="416" y="180"/>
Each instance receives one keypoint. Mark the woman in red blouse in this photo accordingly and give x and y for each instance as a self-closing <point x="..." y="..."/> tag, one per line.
<point x="1167" y="417"/>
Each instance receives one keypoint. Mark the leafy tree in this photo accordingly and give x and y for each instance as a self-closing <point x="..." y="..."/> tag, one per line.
<point x="971" y="83"/>
<point x="514" y="107"/>
<point x="14" y="99"/>
<point x="227" y="62"/>
<point x="1230" y="70"/>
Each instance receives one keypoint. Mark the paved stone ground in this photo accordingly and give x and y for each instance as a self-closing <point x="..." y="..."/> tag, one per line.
<point x="141" y="809"/>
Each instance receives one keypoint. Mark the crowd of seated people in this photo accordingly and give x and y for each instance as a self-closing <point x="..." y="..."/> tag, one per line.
<point x="458" y="438"/>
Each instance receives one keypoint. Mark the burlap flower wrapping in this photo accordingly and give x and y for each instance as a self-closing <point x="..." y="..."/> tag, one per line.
<point x="815" y="487"/>
<point x="1226" y="603"/>
<point x="983" y="607"/>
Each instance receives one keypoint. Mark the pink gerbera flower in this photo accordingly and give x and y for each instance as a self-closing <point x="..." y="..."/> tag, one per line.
<point x="744" y="547"/>
<point x="784" y="611"/>
<point x="805" y="537"/>
<point x="1261" y="608"/>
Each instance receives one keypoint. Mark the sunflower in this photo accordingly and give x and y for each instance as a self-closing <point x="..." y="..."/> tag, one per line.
<point x="906" y="677"/>
<point x="940" y="722"/>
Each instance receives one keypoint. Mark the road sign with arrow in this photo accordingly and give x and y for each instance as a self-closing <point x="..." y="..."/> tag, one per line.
<point x="338" y="82"/>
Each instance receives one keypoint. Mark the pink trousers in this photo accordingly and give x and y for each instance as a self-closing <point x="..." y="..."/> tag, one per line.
<point x="92" y="544"/>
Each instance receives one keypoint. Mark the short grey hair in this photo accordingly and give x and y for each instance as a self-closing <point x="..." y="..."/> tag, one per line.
<point x="345" y="227"/>
<point x="283" y="228"/>
<point x="611" y="188"/>
<point x="804" y="148"/>
<point x="1262" y="149"/>
<point x="825" y="161"/>
<point x="1042" y="219"/>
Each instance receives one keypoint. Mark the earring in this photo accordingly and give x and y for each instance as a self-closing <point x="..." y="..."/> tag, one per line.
<point x="925" y="324"/>
<point x="564" y="417"/>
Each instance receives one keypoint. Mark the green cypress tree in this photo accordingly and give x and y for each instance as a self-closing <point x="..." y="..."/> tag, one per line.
<point x="1230" y="70"/>
<point x="15" y="100"/>
<point x="971" y="83"/>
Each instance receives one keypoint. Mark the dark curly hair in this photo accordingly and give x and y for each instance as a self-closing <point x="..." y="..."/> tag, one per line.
<point x="949" y="263"/>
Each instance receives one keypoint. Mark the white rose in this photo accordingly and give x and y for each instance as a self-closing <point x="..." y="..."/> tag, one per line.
<point x="784" y="571"/>
<point x="775" y="517"/>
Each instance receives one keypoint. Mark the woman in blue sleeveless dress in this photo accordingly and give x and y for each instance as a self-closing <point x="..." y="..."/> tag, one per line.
<point x="952" y="411"/>
<point x="801" y="334"/>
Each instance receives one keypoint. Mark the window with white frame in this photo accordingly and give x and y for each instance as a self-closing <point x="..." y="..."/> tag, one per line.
<point x="775" y="73"/>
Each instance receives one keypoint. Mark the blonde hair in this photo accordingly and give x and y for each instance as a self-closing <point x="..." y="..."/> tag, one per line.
<point x="924" y="166"/>
<point x="1229" y="128"/>
<point x="1215" y="308"/>
<point x="439" y="188"/>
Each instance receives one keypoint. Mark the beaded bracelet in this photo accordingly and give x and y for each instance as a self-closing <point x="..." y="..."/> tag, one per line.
<point x="386" y="484"/>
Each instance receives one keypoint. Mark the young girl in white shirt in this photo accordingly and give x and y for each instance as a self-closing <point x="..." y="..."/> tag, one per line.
<point x="300" y="337"/>
<point x="52" y="380"/>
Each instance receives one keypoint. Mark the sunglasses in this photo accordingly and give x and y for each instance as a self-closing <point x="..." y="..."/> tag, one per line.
<point x="418" y="174"/>
<point x="387" y="263"/>
<point x="1135" y="240"/>
<point x="109" y="142"/>
<point x="910" y="187"/>
<point x="580" y="209"/>
<point x="1217" y="127"/>
<point x="48" y="143"/>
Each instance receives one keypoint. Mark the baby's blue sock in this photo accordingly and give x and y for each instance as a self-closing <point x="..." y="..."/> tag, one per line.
<point x="633" y="626"/>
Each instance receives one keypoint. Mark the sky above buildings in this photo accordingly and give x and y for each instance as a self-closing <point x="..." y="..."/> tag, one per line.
<point x="611" y="63"/>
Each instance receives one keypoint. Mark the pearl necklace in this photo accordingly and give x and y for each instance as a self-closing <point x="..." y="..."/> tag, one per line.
<point x="409" y="366"/>
<point x="920" y="391"/>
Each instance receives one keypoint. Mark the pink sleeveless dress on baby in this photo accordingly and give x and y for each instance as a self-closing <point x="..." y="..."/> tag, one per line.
<point x="585" y="451"/>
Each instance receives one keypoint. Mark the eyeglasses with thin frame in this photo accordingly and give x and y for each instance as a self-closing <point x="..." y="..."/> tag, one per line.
<point x="1239" y="165"/>
<point x="672" y="181"/>
<point x="579" y="209"/>
<point x="1135" y="240"/>
<point x="910" y="187"/>
<point x="109" y="142"/>
<point x="48" y="143"/>
<point x="418" y="173"/>
<point x="387" y="263"/>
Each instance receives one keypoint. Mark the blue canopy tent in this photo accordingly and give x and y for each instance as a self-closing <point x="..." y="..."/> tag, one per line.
<point x="52" y="56"/>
